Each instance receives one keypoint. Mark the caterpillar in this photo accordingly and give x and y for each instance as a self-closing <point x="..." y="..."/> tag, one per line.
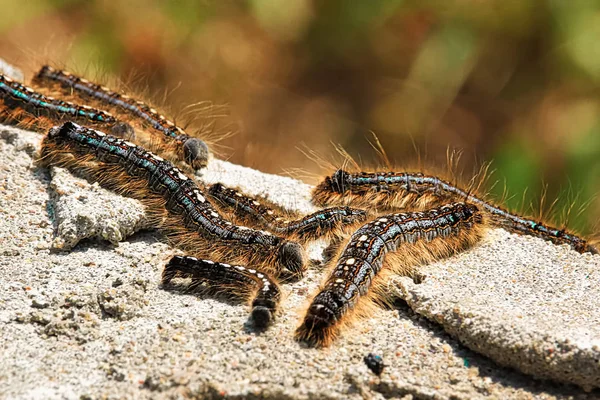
<point x="362" y="268"/>
<point x="27" y="107"/>
<point x="399" y="190"/>
<point x="235" y="280"/>
<point x="174" y="202"/>
<point x="176" y="141"/>
<point x="332" y="221"/>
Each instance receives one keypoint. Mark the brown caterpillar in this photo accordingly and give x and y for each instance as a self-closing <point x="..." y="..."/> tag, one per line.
<point x="401" y="190"/>
<point x="175" y="142"/>
<point x="332" y="222"/>
<point x="362" y="268"/>
<point x="174" y="202"/>
<point x="235" y="280"/>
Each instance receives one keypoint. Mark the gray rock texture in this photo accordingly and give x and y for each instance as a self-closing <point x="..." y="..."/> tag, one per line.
<point x="93" y="322"/>
<point x="86" y="211"/>
<point x="538" y="313"/>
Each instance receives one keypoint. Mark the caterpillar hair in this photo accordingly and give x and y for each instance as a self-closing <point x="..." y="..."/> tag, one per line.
<point x="176" y="141"/>
<point x="360" y="271"/>
<point x="29" y="108"/>
<point x="234" y="280"/>
<point x="332" y="222"/>
<point x="173" y="201"/>
<point x="399" y="190"/>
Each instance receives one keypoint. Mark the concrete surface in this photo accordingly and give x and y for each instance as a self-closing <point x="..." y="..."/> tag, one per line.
<point x="93" y="322"/>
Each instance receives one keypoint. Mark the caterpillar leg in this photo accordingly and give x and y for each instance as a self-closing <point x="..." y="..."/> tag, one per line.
<point x="173" y="201"/>
<point x="174" y="140"/>
<point x="416" y="238"/>
<point x="234" y="280"/>
<point x="328" y="222"/>
<point x="398" y="190"/>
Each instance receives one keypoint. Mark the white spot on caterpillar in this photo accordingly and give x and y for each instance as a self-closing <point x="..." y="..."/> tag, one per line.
<point x="199" y="196"/>
<point x="363" y="238"/>
<point x="350" y="261"/>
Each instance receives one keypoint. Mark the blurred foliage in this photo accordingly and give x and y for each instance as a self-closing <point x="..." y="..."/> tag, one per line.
<point x="515" y="82"/>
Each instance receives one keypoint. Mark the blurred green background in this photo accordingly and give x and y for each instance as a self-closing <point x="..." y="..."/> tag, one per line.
<point x="512" y="82"/>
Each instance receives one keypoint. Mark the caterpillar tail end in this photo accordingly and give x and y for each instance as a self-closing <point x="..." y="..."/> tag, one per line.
<point x="291" y="256"/>
<point x="317" y="329"/>
<point x="196" y="153"/>
<point x="171" y="269"/>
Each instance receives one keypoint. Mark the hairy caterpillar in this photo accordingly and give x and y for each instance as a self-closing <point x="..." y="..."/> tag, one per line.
<point x="176" y="141"/>
<point x="400" y="190"/>
<point x="332" y="221"/>
<point x="27" y="107"/>
<point x="235" y="280"/>
<point x="175" y="203"/>
<point x="362" y="268"/>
